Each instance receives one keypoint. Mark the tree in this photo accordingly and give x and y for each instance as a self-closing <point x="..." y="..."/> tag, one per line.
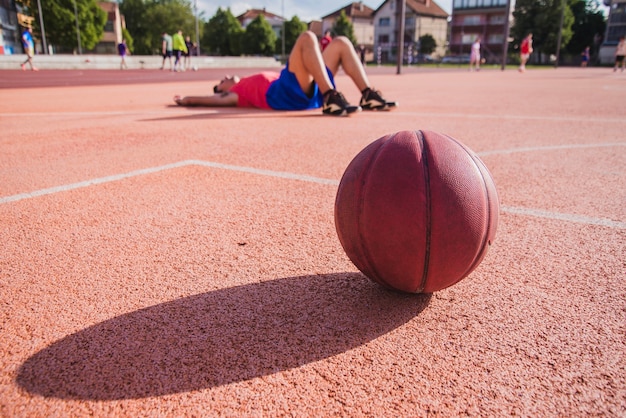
<point x="147" y="20"/>
<point x="259" y="37"/>
<point x="589" y="26"/>
<point x="293" y="29"/>
<point x="343" y="27"/>
<point x="427" y="44"/>
<point x="60" y="23"/>
<point x="542" y="19"/>
<point x="222" y="33"/>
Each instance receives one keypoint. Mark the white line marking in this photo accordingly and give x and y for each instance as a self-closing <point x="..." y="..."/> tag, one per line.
<point x="550" y="148"/>
<point x="539" y="213"/>
<point x="510" y="117"/>
<point x="279" y="174"/>
<point x="87" y="183"/>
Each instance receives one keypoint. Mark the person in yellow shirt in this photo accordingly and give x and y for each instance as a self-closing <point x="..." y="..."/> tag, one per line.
<point x="180" y="48"/>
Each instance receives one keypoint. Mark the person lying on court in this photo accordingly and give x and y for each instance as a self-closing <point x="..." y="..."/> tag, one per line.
<point x="307" y="82"/>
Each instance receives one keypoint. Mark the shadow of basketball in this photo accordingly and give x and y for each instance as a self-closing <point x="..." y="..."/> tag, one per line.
<point x="219" y="337"/>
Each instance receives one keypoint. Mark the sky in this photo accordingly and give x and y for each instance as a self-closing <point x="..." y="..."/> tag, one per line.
<point x="306" y="10"/>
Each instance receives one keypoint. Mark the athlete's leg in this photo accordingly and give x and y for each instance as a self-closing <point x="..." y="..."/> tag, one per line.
<point x="306" y="62"/>
<point x="341" y="52"/>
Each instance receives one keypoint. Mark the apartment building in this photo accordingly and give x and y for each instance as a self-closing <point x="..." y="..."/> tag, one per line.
<point x="478" y="18"/>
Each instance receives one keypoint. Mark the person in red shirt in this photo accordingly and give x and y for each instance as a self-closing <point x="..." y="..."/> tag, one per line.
<point x="525" y="50"/>
<point x="326" y="39"/>
<point x="307" y="82"/>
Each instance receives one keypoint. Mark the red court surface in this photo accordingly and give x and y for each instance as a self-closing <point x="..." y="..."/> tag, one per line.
<point x="161" y="261"/>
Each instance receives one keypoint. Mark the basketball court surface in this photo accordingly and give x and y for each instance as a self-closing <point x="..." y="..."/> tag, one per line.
<point x="165" y="261"/>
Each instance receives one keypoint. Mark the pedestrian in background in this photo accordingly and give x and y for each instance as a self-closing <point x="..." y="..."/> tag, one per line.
<point x="191" y="47"/>
<point x="166" y="49"/>
<point x="326" y="39"/>
<point x="179" y="47"/>
<point x="585" y="57"/>
<point x="122" y="50"/>
<point x="620" y="53"/>
<point x="29" y="49"/>
<point x="475" y="55"/>
<point x="525" y="50"/>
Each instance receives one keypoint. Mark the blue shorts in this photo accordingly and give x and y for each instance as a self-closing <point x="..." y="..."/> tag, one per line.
<point x="285" y="93"/>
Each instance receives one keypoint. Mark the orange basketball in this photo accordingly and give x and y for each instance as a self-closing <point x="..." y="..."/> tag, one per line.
<point x="416" y="211"/>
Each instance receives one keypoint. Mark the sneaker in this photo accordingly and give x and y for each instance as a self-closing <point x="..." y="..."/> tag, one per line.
<point x="337" y="105"/>
<point x="372" y="100"/>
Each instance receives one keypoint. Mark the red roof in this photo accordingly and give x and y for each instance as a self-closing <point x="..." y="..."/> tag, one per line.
<point x="253" y="13"/>
<point x="422" y="8"/>
<point x="354" y="10"/>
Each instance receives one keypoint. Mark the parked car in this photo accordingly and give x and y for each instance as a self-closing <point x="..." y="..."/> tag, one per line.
<point x="456" y="59"/>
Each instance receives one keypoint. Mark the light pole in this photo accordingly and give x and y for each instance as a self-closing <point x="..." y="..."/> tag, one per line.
<point x="80" y="51"/>
<point x="43" y="30"/>
<point x="195" y="9"/>
<point x="505" y="41"/>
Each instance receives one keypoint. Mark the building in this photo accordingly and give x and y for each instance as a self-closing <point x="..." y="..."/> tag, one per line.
<point x="11" y="22"/>
<point x="112" y="29"/>
<point x="421" y="17"/>
<point x="362" y="19"/>
<point x="615" y="29"/>
<point x="275" y="21"/>
<point x="471" y="19"/>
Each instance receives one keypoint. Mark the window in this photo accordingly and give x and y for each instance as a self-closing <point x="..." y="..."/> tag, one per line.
<point x="384" y="21"/>
<point x="471" y="20"/>
<point x="469" y="38"/>
<point x="496" y="38"/>
<point x="383" y="39"/>
<point x="497" y="20"/>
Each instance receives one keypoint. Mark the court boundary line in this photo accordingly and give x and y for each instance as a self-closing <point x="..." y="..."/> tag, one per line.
<point x="533" y="212"/>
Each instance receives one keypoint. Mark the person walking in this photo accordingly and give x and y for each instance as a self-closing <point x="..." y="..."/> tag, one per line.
<point x="475" y="56"/>
<point x="326" y="40"/>
<point x="190" y="51"/>
<point x="166" y="49"/>
<point x="122" y="50"/>
<point x="179" y="47"/>
<point x="307" y="82"/>
<point x="525" y="50"/>
<point x="620" y="53"/>
<point x="585" y="57"/>
<point x="29" y="49"/>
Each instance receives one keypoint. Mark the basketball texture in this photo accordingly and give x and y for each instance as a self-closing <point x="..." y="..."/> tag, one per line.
<point x="416" y="211"/>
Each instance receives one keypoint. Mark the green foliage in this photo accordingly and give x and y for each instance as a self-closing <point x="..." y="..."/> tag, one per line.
<point x="589" y="25"/>
<point x="542" y="19"/>
<point x="60" y="23"/>
<point x="129" y="39"/>
<point x="259" y="37"/>
<point x="293" y="29"/>
<point x="222" y="34"/>
<point x="427" y="44"/>
<point x="343" y="27"/>
<point x="147" y="20"/>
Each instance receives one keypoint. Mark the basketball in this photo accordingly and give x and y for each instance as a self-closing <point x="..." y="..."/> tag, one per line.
<point x="416" y="211"/>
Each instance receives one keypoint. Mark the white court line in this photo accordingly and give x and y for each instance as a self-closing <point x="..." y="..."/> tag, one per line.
<point x="538" y="213"/>
<point x="397" y="113"/>
<point x="511" y="117"/>
<point x="551" y="148"/>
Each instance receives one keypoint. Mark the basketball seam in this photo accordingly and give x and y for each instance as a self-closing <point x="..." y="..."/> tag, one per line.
<point x="362" y="241"/>
<point x="485" y="236"/>
<point x="420" y="137"/>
